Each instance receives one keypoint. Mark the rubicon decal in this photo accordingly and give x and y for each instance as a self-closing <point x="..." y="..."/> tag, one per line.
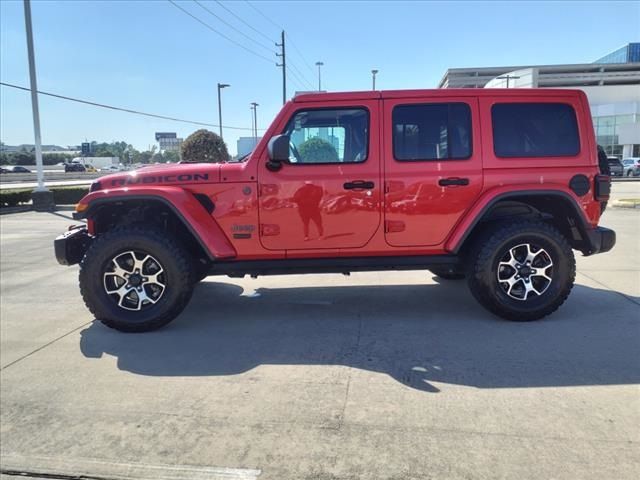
<point x="147" y="179"/>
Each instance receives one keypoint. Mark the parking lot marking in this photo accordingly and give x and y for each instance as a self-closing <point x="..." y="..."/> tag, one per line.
<point x="55" y="467"/>
<point x="42" y="347"/>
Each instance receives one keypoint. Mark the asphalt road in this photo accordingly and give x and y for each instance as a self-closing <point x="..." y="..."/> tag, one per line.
<point x="324" y="377"/>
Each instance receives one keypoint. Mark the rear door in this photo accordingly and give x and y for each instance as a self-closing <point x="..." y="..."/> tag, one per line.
<point x="433" y="166"/>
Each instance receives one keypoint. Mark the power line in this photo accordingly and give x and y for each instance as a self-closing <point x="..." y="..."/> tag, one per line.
<point x="304" y="60"/>
<point x="298" y="80"/>
<point x="234" y="28"/>
<point x="127" y="110"/>
<point x="263" y="15"/>
<point x="219" y="33"/>
<point x="302" y="76"/>
<point x="238" y="17"/>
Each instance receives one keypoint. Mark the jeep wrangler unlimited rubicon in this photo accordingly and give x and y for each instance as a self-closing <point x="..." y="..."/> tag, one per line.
<point x="498" y="186"/>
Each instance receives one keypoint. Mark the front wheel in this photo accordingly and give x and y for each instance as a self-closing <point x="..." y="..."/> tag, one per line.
<point x="136" y="278"/>
<point x="522" y="271"/>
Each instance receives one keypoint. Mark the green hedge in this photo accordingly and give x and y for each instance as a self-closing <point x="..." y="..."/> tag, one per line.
<point x="61" y="195"/>
<point x="68" y="195"/>
<point x="11" y="198"/>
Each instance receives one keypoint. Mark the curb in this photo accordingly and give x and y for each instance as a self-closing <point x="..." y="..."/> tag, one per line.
<point x="626" y="203"/>
<point x="16" y="209"/>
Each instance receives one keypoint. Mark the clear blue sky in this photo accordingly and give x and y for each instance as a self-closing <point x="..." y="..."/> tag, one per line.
<point x="150" y="56"/>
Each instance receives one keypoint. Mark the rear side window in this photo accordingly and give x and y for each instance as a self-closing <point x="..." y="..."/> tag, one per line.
<point x="436" y="131"/>
<point x="534" y="130"/>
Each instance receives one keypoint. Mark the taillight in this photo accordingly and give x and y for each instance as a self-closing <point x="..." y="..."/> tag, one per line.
<point x="602" y="187"/>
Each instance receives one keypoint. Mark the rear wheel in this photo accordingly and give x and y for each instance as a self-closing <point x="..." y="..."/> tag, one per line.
<point x="522" y="271"/>
<point x="136" y="278"/>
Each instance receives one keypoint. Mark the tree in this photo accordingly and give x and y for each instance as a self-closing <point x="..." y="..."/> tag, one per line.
<point x="170" y="157"/>
<point x="317" y="150"/>
<point x="204" y="146"/>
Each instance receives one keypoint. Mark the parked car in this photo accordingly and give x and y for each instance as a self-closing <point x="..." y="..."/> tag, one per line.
<point x="4" y="170"/>
<point x="90" y="168"/>
<point x="17" y="169"/>
<point x="112" y="168"/>
<point x="631" y="166"/>
<point x="615" y="166"/>
<point x="74" y="167"/>
<point x="408" y="187"/>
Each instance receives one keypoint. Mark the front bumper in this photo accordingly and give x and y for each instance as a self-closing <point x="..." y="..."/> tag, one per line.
<point x="71" y="246"/>
<point x="600" y="240"/>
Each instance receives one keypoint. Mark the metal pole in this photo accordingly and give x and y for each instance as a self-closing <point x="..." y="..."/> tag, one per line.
<point x="283" y="55"/>
<point x="219" y="111"/>
<point x="34" y="97"/>
<point x="254" y="106"/>
<point x="373" y="76"/>
<point x="220" y="87"/>
<point x="319" y="64"/>
<point x="252" y="125"/>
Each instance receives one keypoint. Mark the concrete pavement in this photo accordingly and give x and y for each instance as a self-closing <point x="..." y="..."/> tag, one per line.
<point x="373" y="376"/>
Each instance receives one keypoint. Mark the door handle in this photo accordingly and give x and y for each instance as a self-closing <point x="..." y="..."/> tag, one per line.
<point x="358" y="184"/>
<point x="449" y="182"/>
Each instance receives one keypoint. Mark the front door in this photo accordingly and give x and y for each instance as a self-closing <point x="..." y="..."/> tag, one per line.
<point x="433" y="167"/>
<point x="328" y="196"/>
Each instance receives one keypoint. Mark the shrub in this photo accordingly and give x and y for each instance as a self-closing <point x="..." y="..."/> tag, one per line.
<point x="68" y="195"/>
<point x="317" y="150"/>
<point x="11" y="198"/>
<point x="61" y="195"/>
<point x="204" y="146"/>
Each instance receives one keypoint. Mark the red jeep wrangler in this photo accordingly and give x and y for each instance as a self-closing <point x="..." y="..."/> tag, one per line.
<point x="497" y="186"/>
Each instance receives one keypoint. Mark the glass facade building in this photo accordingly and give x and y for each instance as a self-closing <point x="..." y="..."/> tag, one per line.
<point x="630" y="53"/>
<point x="608" y="134"/>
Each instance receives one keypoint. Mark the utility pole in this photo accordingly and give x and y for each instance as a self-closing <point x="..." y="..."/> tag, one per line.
<point x="220" y="87"/>
<point x="42" y="198"/>
<point x="254" y="107"/>
<point x="283" y="55"/>
<point x="507" y="77"/>
<point x="319" y="64"/>
<point x="373" y="78"/>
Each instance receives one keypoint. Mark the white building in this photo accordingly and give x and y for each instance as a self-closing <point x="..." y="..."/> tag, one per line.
<point x="613" y="90"/>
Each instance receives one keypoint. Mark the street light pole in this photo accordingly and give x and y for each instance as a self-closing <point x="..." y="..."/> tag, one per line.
<point x="34" y="97"/>
<point x="373" y="78"/>
<point x="254" y="107"/>
<point x="319" y="64"/>
<point x="220" y="87"/>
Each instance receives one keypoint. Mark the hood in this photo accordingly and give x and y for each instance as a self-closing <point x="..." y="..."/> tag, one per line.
<point x="173" y="174"/>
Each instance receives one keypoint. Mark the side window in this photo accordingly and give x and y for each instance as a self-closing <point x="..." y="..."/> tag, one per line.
<point x="328" y="136"/>
<point x="436" y="131"/>
<point x="534" y="130"/>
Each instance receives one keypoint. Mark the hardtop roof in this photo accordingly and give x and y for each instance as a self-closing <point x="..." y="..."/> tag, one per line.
<point x="435" y="92"/>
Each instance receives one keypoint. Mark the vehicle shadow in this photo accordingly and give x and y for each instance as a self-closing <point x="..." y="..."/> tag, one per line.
<point x="417" y="334"/>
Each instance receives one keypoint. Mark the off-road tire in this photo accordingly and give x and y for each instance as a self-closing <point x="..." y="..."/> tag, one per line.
<point x="175" y="261"/>
<point x="494" y="243"/>
<point x="448" y="273"/>
<point x="200" y="270"/>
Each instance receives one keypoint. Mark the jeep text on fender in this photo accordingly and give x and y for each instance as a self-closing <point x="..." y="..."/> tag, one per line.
<point x="495" y="186"/>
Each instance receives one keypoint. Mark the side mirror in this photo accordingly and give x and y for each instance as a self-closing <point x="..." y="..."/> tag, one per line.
<point x="278" y="149"/>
